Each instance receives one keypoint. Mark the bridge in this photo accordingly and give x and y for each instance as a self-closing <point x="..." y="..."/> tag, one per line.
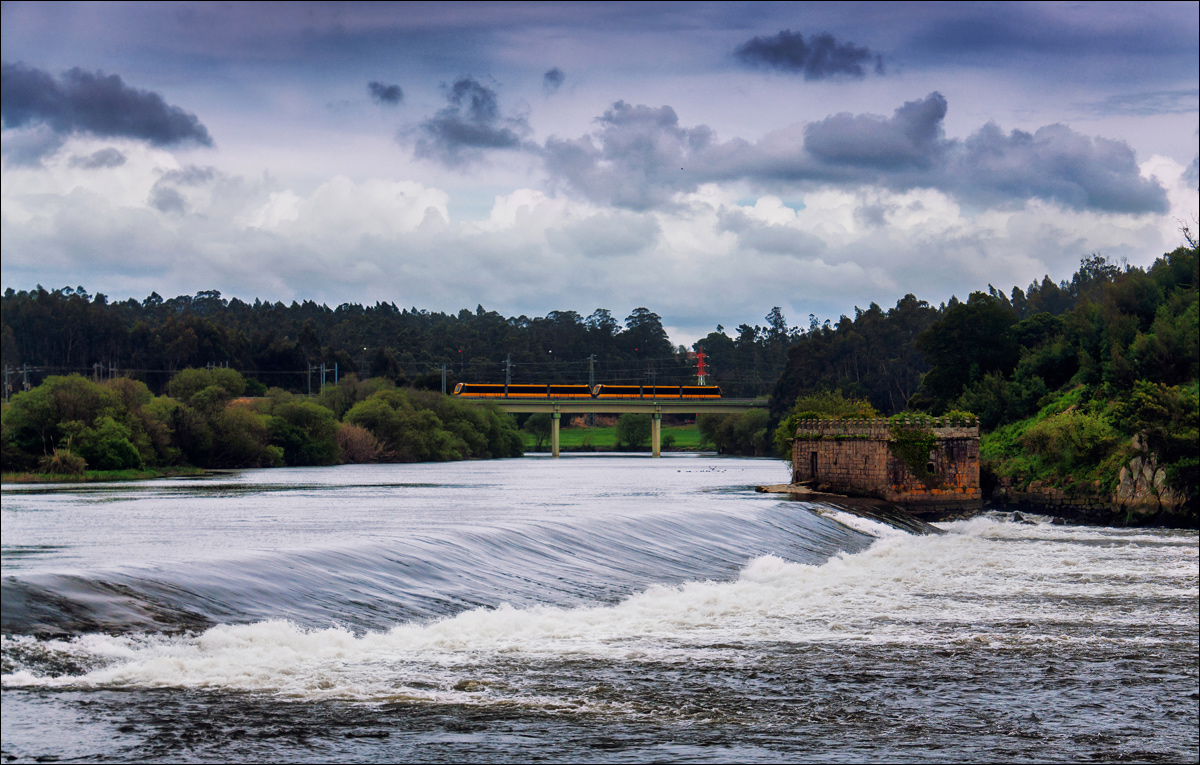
<point x="655" y="407"/>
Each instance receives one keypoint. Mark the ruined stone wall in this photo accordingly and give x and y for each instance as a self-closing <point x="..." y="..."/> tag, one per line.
<point x="854" y="457"/>
<point x="954" y="464"/>
<point x="857" y="463"/>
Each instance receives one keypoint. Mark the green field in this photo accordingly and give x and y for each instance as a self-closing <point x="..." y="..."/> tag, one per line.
<point x="602" y="439"/>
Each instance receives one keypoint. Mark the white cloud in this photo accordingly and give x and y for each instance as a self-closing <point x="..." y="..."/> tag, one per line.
<point x="702" y="260"/>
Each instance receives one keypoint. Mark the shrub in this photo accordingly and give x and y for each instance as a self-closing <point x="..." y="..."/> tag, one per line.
<point x="356" y="444"/>
<point x="63" y="462"/>
<point x="818" y="405"/>
<point x="1072" y="440"/>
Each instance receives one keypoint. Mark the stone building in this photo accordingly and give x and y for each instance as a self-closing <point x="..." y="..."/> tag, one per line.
<point x="873" y="458"/>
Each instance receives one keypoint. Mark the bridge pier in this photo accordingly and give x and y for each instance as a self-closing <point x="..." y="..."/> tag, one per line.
<point x="555" y="419"/>
<point x="656" y="434"/>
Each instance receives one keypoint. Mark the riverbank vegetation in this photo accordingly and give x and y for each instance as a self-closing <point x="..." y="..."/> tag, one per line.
<point x="70" y="425"/>
<point x="103" y="476"/>
<point x="1077" y="385"/>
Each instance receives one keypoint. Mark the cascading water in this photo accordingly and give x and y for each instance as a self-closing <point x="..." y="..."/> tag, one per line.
<point x="594" y="608"/>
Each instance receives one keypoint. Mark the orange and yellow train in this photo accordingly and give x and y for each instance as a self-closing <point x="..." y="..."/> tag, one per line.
<point x="499" y="390"/>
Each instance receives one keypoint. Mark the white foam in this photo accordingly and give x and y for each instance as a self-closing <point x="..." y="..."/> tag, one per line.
<point x="858" y="523"/>
<point x="1000" y="583"/>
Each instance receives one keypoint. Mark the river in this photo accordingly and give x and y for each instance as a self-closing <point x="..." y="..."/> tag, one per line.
<point x="598" y="608"/>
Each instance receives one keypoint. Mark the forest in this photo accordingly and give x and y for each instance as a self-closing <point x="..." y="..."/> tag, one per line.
<point x="66" y="331"/>
<point x="1062" y="375"/>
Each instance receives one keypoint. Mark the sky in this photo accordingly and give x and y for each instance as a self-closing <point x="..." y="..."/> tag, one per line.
<point x="708" y="161"/>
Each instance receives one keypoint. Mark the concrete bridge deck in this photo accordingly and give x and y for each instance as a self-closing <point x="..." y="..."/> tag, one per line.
<point x="655" y="407"/>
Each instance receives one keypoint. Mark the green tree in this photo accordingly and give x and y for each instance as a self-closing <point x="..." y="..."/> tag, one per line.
<point x="306" y="432"/>
<point x="969" y="341"/>
<point x="633" y="431"/>
<point x="539" y="424"/>
<point x="107" y="445"/>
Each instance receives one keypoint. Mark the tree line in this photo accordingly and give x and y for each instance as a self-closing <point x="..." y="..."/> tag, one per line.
<point x="1061" y="375"/>
<point x="69" y="424"/>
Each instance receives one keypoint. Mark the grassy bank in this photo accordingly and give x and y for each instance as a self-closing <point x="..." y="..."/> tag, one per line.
<point x="101" y="476"/>
<point x="682" y="438"/>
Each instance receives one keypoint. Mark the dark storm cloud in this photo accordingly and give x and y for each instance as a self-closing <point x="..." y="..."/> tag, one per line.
<point x="99" y="160"/>
<point x="641" y="156"/>
<point x="818" y="58"/>
<point x="470" y="123"/>
<point x="382" y="93"/>
<point x="553" y="79"/>
<point x="91" y="102"/>
<point x="911" y="137"/>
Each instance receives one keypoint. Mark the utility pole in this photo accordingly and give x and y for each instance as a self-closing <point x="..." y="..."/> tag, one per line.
<point x="444" y="378"/>
<point x="322" y="375"/>
<point x="310" y="371"/>
<point x="507" y="373"/>
<point x="25" y="375"/>
<point x="6" y="388"/>
<point x="335" y="373"/>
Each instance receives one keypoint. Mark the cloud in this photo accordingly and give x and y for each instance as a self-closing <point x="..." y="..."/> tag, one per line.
<point x="470" y="123"/>
<point x="1185" y="101"/>
<point x="606" y="234"/>
<point x="819" y="58"/>
<point x="911" y="137"/>
<point x="28" y="147"/>
<point x="358" y="240"/>
<point x="387" y="95"/>
<point x="553" y="79"/>
<point x="168" y="193"/>
<point x="94" y="103"/>
<point x="1054" y="163"/>
<point x="640" y="157"/>
<point x="97" y="160"/>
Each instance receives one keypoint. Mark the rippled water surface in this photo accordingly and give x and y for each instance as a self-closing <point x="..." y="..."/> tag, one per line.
<point x="591" y="608"/>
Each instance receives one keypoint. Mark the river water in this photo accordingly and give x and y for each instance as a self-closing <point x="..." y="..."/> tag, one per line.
<point x="590" y="608"/>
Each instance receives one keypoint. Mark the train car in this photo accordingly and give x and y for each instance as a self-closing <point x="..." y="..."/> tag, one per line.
<point x="499" y="390"/>
<point x="657" y="391"/>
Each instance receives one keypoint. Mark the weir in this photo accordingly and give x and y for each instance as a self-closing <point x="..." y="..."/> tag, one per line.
<point x="655" y="407"/>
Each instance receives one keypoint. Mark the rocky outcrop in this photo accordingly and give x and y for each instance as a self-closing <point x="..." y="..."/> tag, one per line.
<point x="1142" y="496"/>
<point x="1142" y="486"/>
